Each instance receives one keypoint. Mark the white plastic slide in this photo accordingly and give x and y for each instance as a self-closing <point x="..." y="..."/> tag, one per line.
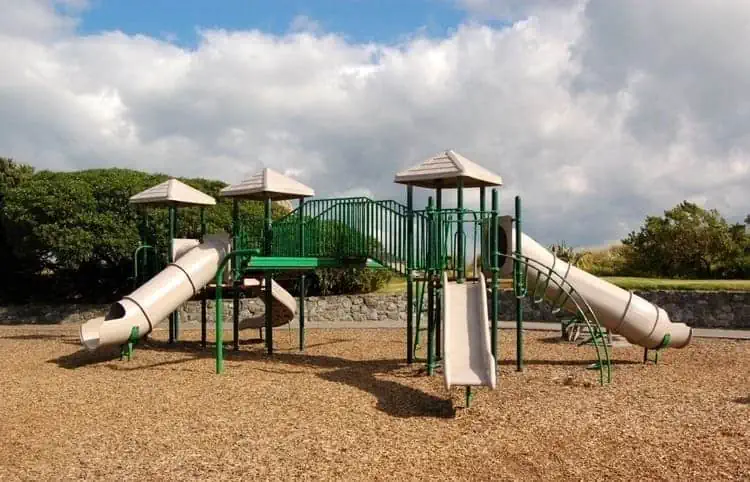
<point x="152" y="303"/>
<point x="621" y="311"/>
<point x="467" y="354"/>
<point x="283" y="306"/>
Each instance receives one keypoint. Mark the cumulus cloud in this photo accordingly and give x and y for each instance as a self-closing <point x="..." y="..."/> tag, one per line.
<point x="597" y="113"/>
<point x="510" y="10"/>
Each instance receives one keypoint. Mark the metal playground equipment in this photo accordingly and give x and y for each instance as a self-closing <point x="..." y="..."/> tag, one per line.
<point x="453" y="259"/>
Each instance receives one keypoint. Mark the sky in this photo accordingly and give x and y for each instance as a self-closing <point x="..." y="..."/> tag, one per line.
<point x="180" y="21"/>
<point x="596" y="113"/>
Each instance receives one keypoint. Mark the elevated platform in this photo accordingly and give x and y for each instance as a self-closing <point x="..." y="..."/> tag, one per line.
<point x="280" y="263"/>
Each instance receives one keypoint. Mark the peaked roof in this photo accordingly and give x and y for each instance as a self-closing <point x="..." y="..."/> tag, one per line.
<point x="444" y="169"/>
<point x="173" y="192"/>
<point x="265" y="184"/>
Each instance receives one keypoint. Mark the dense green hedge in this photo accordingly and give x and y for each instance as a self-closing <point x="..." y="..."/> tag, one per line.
<point x="71" y="235"/>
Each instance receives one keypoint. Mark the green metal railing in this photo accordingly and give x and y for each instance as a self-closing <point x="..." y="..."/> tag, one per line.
<point x="145" y="266"/>
<point x="567" y="295"/>
<point x="360" y="227"/>
<point x="450" y="228"/>
<point x="344" y="228"/>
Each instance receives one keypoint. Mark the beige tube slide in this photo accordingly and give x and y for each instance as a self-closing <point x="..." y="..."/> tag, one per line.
<point x="150" y="304"/>
<point x="467" y="354"/>
<point x="621" y="311"/>
<point x="283" y="306"/>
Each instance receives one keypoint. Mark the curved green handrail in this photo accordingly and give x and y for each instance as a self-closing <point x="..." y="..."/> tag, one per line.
<point x="219" y="353"/>
<point x="582" y="308"/>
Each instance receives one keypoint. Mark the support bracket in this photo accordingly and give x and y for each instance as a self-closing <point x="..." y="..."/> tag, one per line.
<point x="126" y="349"/>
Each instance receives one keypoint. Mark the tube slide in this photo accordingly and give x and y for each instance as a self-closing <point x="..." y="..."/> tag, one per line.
<point x="622" y="312"/>
<point x="152" y="303"/>
<point x="467" y="354"/>
<point x="283" y="306"/>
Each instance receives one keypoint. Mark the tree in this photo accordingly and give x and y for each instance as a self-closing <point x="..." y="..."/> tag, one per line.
<point x="688" y="241"/>
<point x="75" y="232"/>
<point x="12" y="175"/>
<point x="567" y="253"/>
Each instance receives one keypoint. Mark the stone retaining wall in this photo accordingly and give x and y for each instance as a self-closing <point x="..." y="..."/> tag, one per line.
<point x="697" y="309"/>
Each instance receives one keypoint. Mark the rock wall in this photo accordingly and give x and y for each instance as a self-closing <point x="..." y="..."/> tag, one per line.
<point x="697" y="309"/>
<point x="704" y="309"/>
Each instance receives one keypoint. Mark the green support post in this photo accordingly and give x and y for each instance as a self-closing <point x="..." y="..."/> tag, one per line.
<point x="483" y="244"/>
<point x="439" y="263"/>
<point x="146" y="268"/>
<point x="236" y="276"/>
<point x="430" y="285"/>
<point x="494" y="261"/>
<point x="410" y="274"/>
<point x="302" y="277"/>
<point x="219" y="320"/>
<point x="219" y="354"/>
<point x="204" y="313"/>
<point x="269" y="277"/>
<point x="518" y="288"/>
<point x="461" y="255"/>
<point x="142" y="230"/>
<point x="170" y="258"/>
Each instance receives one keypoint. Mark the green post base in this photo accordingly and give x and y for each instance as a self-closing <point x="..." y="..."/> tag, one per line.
<point x="126" y="349"/>
<point x="647" y="359"/>
<point x="469" y="396"/>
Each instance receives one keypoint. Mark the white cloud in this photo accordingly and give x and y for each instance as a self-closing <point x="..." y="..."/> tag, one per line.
<point x="38" y="19"/>
<point x="303" y="23"/>
<point x="511" y="10"/>
<point x="597" y="113"/>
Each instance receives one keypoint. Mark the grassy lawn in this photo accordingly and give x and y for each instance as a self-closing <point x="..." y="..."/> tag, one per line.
<point x="398" y="284"/>
<point x="679" y="284"/>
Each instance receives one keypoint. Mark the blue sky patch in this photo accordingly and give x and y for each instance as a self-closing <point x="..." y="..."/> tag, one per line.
<point x="384" y="21"/>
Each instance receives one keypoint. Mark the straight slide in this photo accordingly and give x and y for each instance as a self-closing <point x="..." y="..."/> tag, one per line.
<point x="467" y="354"/>
<point x="194" y="267"/>
<point x="639" y="321"/>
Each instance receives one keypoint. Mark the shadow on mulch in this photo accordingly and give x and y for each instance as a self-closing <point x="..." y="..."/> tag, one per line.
<point x="39" y="336"/>
<point x="742" y="400"/>
<point x="84" y="358"/>
<point x="567" y="362"/>
<point x="393" y="398"/>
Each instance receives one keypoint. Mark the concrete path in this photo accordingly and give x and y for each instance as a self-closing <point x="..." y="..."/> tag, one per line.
<point x="505" y="325"/>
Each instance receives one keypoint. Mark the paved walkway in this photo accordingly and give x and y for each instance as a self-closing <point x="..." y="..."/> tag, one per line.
<point x="527" y="325"/>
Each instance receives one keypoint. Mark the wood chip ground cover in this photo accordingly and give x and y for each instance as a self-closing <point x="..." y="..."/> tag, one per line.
<point x="350" y="409"/>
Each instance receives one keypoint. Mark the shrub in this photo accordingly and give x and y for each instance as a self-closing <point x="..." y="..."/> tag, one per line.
<point x="347" y="281"/>
<point x="567" y="253"/>
<point x="612" y="261"/>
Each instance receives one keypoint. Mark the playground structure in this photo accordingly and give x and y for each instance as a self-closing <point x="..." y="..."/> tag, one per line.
<point x="457" y="300"/>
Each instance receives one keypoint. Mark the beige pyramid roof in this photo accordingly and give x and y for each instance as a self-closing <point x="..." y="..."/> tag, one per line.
<point x="444" y="170"/>
<point x="173" y="192"/>
<point x="268" y="184"/>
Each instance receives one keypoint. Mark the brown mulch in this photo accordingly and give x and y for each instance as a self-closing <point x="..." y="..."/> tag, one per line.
<point x="351" y="409"/>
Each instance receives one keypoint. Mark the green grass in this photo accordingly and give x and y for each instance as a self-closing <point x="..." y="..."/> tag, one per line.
<point x="398" y="284"/>
<point x="679" y="284"/>
<point x="395" y="285"/>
